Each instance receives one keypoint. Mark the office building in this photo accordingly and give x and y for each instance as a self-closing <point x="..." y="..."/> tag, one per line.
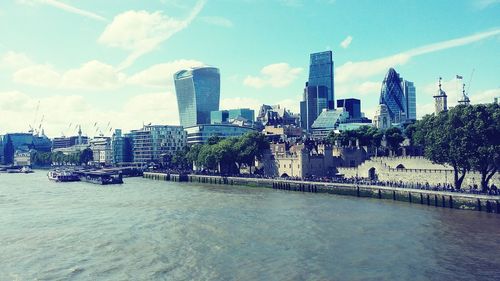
<point x="352" y="106"/>
<point x="276" y="115"/>
<point x="122" y="148"/>
<point x="410" y="95"/>
<point x="198" y="94"/>
<point x="201" y="133"/>
<point x="225" y="116"/>
<point x="156" y="143"/>
<point x="327" y="121"/>
<point x="321" y="74"/>
<point x="315" y="99"/>
<point x="392" y="96"/>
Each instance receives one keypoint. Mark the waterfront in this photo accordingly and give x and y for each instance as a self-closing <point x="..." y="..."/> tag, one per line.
<point x="154" y="230"/>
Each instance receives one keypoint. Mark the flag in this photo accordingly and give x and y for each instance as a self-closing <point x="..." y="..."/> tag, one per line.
<point x="459" y="77"/>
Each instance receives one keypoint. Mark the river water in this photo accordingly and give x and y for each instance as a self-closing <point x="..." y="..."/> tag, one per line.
<point x="151" y="230"/>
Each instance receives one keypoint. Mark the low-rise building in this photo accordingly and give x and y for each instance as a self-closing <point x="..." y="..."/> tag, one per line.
<point x="101" y="149"/>
<point x="201" y="133"/>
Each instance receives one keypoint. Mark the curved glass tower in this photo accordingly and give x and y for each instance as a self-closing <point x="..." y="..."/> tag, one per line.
<point x="198" y="93"/>
<point x="392" y="96"/>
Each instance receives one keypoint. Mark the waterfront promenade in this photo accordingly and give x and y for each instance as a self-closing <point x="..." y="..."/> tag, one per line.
<point x="445" y="199"/>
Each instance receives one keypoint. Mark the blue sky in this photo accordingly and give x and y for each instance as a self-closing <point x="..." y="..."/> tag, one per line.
<point x="111" y="61"/>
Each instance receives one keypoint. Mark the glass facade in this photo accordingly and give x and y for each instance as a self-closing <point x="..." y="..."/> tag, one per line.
<point x="353" y="106"/>
<point x="314" y="101"/>
<point x="201" y="134"/>
<point x="153" y="142"/>
<point x="411" y="100"/>
<point x="321" y="74"/>
<point x="393" y="97"/>
<point x="224" y="116"/>
<point x="198" y="94"/>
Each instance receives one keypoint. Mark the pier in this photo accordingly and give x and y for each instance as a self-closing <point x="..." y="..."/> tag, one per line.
<point x="453" y="200"/>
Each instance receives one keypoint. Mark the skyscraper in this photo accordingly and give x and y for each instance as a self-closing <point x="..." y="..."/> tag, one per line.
<point x="198" y="94"/>
<point x="321" y="74"/>
<point x="314" y="101"/>
<point x="393" y="97"/>
<point x="410" y="100"/>
<point x="352" y="106"/>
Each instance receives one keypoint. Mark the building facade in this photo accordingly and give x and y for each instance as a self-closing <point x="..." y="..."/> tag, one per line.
<point x="225" y="116"/>
<point x="392" y="96"/>
<point x="201" y="133"/>
<point x="352" y="106"/>
<point x="122" y="148"/>
<point x="157" y="143"/>
<point x="382" y="118"/>
<point x="101" y="150"/>
<point x="327" y="121"/>
<point x="198" y="94"/>
<point x="315" y="100"/>
<point x="321" y="74"/>
<point x="410" y="94"/>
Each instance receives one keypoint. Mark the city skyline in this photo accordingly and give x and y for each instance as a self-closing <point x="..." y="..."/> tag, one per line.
<point x="80" y="67"/>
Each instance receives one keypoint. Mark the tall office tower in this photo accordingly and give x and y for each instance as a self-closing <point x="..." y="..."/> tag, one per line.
<point x="410" y="100"/>
<point x="198" y="94"/>
<point x="393" y="97"/>
<point x="321" y="74"/>
<point x="314" y="101"/>
<point x="353" y="106"/>
<point x="440" y="100"/>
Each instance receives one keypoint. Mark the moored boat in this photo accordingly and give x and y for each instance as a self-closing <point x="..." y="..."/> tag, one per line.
<point x="62" y="176"/>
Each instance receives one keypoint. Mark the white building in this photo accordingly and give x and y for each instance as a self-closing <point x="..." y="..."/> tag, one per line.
<point x="382" y="119"/>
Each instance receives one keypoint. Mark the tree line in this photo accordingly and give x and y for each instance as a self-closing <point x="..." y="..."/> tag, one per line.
<point x="467" y="137"/>
<point x="226" y="155"/>
<point x="59" y="158"/>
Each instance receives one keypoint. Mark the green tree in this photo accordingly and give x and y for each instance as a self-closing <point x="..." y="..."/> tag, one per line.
<point x="86" y="156"/>
<point x="394" y="138"/>
<point x="483" y="124"/>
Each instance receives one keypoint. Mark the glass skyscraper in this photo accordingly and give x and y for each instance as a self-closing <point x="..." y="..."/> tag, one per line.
<point x="314" y="101"/>
<point x="410" y="99"/>
<point x="392" y="96"/>
<point x="321" y="74"/>
<point x="198" y="94"/>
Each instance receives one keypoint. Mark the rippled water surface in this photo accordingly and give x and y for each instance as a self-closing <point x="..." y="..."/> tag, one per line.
<point x="151" y="230"/>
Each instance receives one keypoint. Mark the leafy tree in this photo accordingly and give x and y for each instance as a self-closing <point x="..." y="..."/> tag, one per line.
<point x="394" y="138"/>
<point x="86" y="156"/>
<point x="214" y="139"/>
<point x="180" y="159"/>
<point x="483" y="123"/>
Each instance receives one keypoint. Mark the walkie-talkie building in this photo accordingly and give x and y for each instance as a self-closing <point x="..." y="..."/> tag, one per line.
<point x="198" y="94"/>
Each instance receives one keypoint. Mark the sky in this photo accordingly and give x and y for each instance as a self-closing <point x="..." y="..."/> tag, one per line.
<point x="106" y="64"/>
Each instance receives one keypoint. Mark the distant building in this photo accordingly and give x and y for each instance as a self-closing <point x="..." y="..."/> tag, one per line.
<point x="23" y="158"/>
<point x="64" y="142"/>
<point x="315" y="99"/>
<point x="382" y="118"/>
<point x="327" y="121"/>
<point x="275" y="115"/>
<point x="225" y="116"/>
<point x="440" y="100"/>
<point x="282" y="132"/>
<point x="201" y="133"/>
<point x="352" y="106"/>
<point x="156" y="143"/>
<point x="321" y="74"/>
<point x="28" y="141"/>
<point x="410" y="95"/>
<point x="392" y="96"/>
<point x="198" y="94"/>
<point x="122" y="148"/>
<point x="101" y="150"/>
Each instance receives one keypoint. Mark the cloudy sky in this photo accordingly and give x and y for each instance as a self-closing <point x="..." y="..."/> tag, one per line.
<point x="69" y="62"/>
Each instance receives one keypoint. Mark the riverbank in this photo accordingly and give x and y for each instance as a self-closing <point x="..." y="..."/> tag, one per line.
<point x="453" y="200"/>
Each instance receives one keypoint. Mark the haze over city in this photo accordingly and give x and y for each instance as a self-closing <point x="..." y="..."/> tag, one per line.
<point x="64" y="63"/>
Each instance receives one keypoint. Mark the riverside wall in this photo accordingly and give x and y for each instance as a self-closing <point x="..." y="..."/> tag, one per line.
<point x="473" y="202"/>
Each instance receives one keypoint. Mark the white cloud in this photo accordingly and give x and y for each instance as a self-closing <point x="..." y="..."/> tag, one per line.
<point x="40" y="75"/>
<point x="346" y="42"/>
<point x="93" y="75"/>
<point x="141" y="32"/>
<point x="363" y="69"/>
<point x="232" y="103"/>
<point x="15" y="60"/>
<point x="367" y="88"/>
<point x="278" y="75"/>
<point x="218" y="21"/>
<point x="161" y="75"/>
<point x="482" y="4"/>
<point x="65" y="7"/>
<point x="17" y="110"/>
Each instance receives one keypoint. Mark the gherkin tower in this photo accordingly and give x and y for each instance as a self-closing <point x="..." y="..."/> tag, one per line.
<point x="392" y="96"/>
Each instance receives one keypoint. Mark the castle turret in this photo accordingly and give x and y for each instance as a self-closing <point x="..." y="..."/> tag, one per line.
<point x="440" y="100"/>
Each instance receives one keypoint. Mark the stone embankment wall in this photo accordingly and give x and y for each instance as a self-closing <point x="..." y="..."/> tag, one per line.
<point x="483" y="203"/>
<point x="416" y="170"/>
